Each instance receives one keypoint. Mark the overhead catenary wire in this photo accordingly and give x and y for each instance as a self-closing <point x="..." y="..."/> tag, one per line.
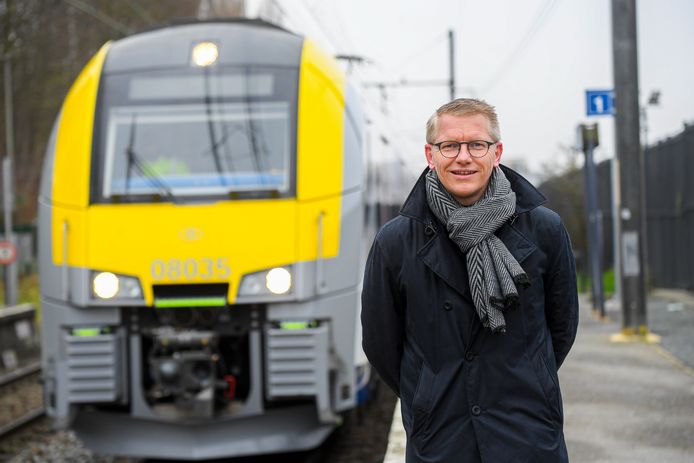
<point x="406" y="60"/>
<point x="541" y="16"/>
<point x="141" y="12"/>
<point x="342" y="30"/>
<point x="327" y="32"/>
<point x="325" y="28"/>
<point x="403" y="82"/>
<point x="101" y="16"/>
<point x="342" y="41"/>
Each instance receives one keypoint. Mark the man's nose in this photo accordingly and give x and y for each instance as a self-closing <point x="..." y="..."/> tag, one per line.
<point x="463" y="155"/>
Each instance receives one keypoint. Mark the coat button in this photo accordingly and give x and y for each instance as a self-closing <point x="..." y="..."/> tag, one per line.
<point x="447" y="305"/>
<point x="476" y="410"/>
<point x="469" y="356"/>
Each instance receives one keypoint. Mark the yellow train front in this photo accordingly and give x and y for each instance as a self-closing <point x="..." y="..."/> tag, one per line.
<point x="201" y="211"/>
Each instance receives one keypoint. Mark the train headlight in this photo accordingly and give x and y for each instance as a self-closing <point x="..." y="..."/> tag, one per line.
<point x="276" y="281"/>
<point x="205" y="54"/>
<point x="107" y="285"/>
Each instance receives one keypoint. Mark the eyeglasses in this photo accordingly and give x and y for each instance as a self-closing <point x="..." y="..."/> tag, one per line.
<point x="475" y="148"/>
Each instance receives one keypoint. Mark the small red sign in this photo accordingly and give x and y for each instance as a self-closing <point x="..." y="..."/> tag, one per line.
<point x="8" y="253"/>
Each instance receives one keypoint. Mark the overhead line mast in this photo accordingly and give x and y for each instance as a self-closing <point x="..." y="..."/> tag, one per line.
<point x="632" y="240"/>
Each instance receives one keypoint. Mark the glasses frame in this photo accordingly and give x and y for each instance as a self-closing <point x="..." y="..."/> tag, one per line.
<point x="467" y="147"/>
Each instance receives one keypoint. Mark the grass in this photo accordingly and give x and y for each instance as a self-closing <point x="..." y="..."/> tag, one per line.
<point x="28" y="292"/>
<point x="607" y="282"/>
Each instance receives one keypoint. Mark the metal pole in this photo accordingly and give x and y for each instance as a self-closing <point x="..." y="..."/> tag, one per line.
<point x="451" y="61"/>
<point x="628" y="147"/>
<point x="8" y="199"/>
<point x="589" y="143"/>
<point x="644" y="126"/>
<point x="616" y="231"/>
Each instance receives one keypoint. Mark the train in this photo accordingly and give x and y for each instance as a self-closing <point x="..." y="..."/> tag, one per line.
<point x="206" y="203"/>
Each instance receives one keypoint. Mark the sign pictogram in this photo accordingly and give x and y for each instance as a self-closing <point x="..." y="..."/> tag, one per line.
<point x="599" y="102"/>
<point x="8" y="253"/>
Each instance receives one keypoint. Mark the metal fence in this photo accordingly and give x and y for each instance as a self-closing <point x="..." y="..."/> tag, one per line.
<point x="669" y="166"/>
<point x="670" y="211"/>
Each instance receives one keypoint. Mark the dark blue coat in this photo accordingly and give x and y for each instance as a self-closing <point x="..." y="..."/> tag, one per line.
<point x="469" y="395"/>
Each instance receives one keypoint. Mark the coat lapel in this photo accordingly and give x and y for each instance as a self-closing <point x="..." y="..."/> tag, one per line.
<point x="446" y="260"/>
<point x="438" y="253"/>
<point x="520" y="246"/>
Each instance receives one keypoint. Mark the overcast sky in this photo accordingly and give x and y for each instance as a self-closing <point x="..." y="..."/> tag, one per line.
<point x="532" y="59"/>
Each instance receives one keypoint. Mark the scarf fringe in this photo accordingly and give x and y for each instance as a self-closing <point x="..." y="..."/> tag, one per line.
<point x="522" y="280"/>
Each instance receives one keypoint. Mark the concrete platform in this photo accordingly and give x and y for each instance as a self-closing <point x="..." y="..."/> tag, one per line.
<point x="623" y="402"/>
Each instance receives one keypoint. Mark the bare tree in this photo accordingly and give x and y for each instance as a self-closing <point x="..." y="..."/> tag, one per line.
<point x="563" y="186"/>
<point x="49" y="42"/>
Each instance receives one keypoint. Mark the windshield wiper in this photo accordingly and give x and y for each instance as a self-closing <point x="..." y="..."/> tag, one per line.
<point x="134" y="160"/>
<point x="210" y="128"/>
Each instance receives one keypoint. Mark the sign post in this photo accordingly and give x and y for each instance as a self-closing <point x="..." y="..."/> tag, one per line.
<point x="590" y="141"/>
<point x="7" y="186"/>
<point x="602" y="103"/>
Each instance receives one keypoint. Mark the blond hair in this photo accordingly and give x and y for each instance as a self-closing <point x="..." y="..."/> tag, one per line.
<point x="465" y="107"/>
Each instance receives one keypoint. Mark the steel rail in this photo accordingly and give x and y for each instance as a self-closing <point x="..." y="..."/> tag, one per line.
<point x="21" y="421"/>
<point x="20" y="373"/>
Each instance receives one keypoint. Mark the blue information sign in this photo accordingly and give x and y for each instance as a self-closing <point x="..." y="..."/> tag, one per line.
<point x="599" y="102"/>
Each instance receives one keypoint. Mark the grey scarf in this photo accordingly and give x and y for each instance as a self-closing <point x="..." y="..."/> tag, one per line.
<point x="493" y="272"/>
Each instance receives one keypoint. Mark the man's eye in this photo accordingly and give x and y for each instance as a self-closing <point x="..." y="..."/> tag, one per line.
<point x="477" y="145"/>
<point x="449" y="146"/>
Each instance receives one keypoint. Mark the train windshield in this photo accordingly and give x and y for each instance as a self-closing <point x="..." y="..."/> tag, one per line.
<point x="227" y="134"/>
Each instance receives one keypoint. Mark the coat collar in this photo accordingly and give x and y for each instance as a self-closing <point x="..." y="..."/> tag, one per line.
<point x="527" y="196"/>
<point x="438" y="253"/>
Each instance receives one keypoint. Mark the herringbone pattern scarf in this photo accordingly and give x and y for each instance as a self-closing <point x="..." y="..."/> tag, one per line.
<point x="492" y="270"/>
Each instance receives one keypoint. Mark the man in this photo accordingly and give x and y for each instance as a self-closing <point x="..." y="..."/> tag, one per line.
<point x="469" y="303"/>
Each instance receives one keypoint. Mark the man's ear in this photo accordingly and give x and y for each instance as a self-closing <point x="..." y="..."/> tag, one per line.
<point x="497" y="153"/>
<point x="429" y="156"/>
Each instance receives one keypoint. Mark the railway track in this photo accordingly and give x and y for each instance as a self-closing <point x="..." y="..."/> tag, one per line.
<point x="362" y="439"/>
<point x="19" y="373"/>
<point x="20" y="398"/>
<point x="26" y="418"/>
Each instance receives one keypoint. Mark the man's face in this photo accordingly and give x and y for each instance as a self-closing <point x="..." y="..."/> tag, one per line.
<point x="464" y="176"/>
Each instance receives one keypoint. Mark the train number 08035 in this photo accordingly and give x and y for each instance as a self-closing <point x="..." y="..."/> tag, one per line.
<point x="189" y="269"/>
